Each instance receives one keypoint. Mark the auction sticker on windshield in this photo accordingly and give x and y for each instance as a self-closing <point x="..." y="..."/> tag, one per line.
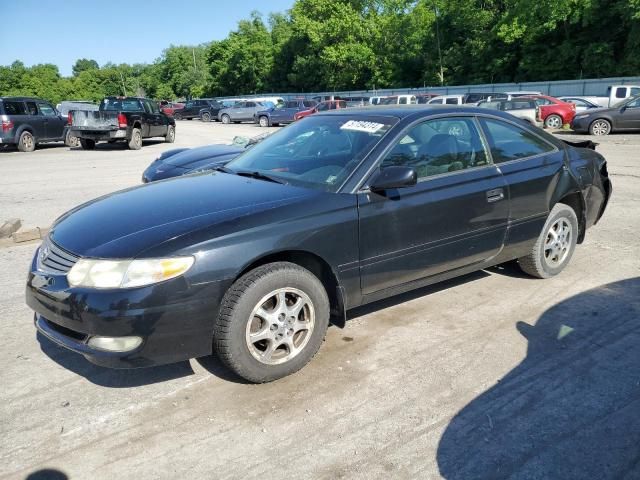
<point x="361" y="126"/>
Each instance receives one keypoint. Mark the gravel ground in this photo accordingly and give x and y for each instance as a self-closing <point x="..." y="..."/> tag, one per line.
<point x="492" y="375"/>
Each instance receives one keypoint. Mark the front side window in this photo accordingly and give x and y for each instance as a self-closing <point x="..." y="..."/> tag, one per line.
<point x="32" y="109"/>
<point x="46" y="109"/>
<point x="452" y="101"/>
<point x="440" y="146"/>
<point x="509" y="142"/>
<point x="403" y="101"/>
<point x="543" y="101"/>
<point x="319" y="152"/>
<point x="251" y="104"/>
<point x="322" y="107"/>
<point x="634" y="103"/>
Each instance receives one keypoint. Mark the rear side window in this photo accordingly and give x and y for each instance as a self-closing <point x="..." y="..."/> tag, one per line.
<point x="403" y="101"/>
<point x="508" y="142"/>
<point x="251" y="104"/>
<point x="621" y="93"/>
<point x="452" y="101"/>
<point x="309" y="103"/>
<point x="342" y="104"/>
<point x="14" y="108"/>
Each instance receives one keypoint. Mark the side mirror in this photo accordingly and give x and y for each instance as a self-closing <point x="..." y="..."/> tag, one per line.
<point x="394" y="177"/>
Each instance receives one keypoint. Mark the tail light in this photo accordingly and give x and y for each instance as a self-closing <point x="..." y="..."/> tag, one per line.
<point x="7" y="125"/>
<point x="69" y="119"/>
<point x="122" y="120"/>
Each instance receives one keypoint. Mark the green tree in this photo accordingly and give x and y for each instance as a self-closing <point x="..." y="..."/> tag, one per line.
<point x="84" y="64"/>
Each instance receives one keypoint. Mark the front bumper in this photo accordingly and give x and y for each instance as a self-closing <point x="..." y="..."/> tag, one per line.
<point x="173" y="318"/>
<point x="581" y="124"/>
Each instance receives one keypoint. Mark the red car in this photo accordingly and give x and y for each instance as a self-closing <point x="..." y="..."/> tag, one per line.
<point x="553" y="112"/>
<point x="321" y="107"/>
<point x="169" y="108"/>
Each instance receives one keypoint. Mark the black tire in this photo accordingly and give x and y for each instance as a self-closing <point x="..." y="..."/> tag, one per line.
<point x="135" y="142"/>
<point x="26" y="143"/>
<point x="235" y="320"/>
<point x="226" y="119"/>
<point x="539" y="262"/>
<point x="87" y="144"/>
<point x="190" y="118"/>
<point x="71" y="140"/>
<point x="263" y="121"/>
<point x="553" y="121"/>
<point x="600" y="127"/>
<point x="177" y="116"/>
<point x="206" y="117"/>
<point x="170" y="137"/>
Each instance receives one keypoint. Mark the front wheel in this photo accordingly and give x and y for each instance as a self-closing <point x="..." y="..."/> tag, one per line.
<point x="600" y="127"/>
<point x="177" y="116"/>
<point x="555" y="245"/>
<point x="226" y="119"/>
<point x="264" y="121"/>
<point x="171" y="134"/>
<point x="553" y="121"/>
<point x="206" y="117"/>
<point x="272" y="321"/>
<point x="135" y="143"/>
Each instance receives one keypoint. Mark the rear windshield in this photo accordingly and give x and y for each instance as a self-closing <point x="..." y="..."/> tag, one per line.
<point x="14" y="108"/>
<point x="121" y="105"/>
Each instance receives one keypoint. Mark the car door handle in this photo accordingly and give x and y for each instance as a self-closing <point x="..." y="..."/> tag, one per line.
<point x="495" y="195"/>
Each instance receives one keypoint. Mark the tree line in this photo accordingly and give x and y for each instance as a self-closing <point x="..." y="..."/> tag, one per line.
<point x="332" y="45"/>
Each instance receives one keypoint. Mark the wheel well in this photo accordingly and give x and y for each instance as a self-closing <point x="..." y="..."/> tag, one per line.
<point x="576" y="202"/>
<point x="137" y="125"/>
<point x="316" y="265"/>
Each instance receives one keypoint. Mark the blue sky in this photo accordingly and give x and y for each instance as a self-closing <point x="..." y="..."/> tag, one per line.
<point x="120" y="31"/>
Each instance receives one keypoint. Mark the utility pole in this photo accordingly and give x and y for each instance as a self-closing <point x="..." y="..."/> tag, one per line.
<point x="435" y="9"/>
<point x="193" y="51"/>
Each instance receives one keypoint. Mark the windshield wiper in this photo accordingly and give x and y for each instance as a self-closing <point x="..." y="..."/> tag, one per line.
<point x="223" y="169"/>
<point x="260" y="176"/>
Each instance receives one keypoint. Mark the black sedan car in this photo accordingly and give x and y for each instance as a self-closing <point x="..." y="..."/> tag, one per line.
<point x="623" y="117"/>
<point x="335" y="211"/>
<point x="181" y="161"/>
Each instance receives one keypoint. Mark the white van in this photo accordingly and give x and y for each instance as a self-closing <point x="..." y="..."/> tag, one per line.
<point x="399" y="100"/>
<point x="447" y="100"/>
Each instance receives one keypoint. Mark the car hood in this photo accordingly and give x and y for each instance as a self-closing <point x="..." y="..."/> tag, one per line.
<point x="126" y="223"/>
<point x="194" y="155"/>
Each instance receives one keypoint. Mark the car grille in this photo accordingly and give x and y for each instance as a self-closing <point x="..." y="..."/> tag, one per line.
<point x="53" y="259"/>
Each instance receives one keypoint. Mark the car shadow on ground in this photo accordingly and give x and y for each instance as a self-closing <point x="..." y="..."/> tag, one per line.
<point x="105" y="146"/>
<point x="134" y="377"/>
<point x="571" y="409"/>
<point x="109" y="377"/>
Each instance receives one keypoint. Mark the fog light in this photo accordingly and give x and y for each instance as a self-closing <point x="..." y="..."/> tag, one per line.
<point x="115" y="344"/>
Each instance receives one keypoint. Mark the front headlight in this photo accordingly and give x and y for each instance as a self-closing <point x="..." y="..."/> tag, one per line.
<point x="126" y="273"/>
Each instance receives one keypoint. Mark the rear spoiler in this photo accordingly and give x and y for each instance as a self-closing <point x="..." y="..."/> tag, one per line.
<point x="583" y="144"/>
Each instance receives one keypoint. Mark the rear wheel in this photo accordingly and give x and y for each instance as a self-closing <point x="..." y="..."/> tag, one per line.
<point x="87" y="144"/>
<point x="26" y="143"/>
<point x="600" y="127"/>
<point x="71" y="140"/>
<point x="553" y="121"/>
<point x="272" y="321"/>
<point x="206" y="117"/>
<point x="555" y="245"/>
<point x="264" y="121"/>
<point x="135" y="143"/>
<point x="226" y="119"/>
<point x="171" y="134"/>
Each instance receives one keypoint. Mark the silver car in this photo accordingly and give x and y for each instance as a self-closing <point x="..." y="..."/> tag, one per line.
<point x="242" y="111"/>
<point x="524" y="108"/>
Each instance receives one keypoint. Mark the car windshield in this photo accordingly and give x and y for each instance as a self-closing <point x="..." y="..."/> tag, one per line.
<point x="318" y="152"/>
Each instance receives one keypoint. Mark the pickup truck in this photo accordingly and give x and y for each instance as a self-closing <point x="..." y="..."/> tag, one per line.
<point x="129" y="119"/>
<point x="615" y="94"/>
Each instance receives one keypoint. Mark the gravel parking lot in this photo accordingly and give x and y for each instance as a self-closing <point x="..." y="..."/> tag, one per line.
<point x="541" y="377"/>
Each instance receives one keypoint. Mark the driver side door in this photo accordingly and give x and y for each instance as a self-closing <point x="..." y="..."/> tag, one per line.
<point x="455" y="216"/>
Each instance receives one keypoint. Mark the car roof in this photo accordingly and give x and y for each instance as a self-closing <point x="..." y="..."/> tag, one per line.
<point x="18" y="99"/>
<point x="402" y="111"/>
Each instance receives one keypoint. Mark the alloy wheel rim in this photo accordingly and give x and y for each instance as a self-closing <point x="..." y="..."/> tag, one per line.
<point x="554" y="122"/>
<point x="280" y="326"/>
<point x="263" y="122"/>
<point x="600" y="128"/>
<point x="27" y="141"/>
<point x="558" y="243"/>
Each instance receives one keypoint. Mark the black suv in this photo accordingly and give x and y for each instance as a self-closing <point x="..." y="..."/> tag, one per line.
<point x="28" y="121"/>
<point x="192" y="108"/>
<point x="210" y="112"/>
